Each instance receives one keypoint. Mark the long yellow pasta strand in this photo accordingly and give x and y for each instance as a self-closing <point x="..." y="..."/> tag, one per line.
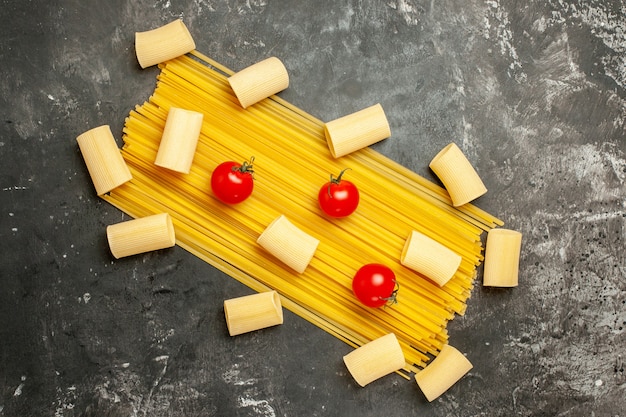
<point x="292" y="161"/>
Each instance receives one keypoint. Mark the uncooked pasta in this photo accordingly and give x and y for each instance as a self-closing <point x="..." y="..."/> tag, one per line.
<point x="430" y="258"/>
<point x="165" y="42"/>
<point x="375" y="359"/>
<point x="103" y="159"/>
<point x="443" y="372"/>
<point x="259" y="81"/>
<point x="292" y="161"/>
<point x="357" y="130"/>
<point x="253" y="312"/>
<point x="288" y="243"/>
<point x="179" y="140"/>
<point x="141" y="235"/>
<point x="502" y="258"/>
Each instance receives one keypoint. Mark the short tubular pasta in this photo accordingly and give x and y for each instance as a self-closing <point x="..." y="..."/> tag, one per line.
<point x="443" y="372"/>
<point x="179" y="140"/>
<point x="288" y="243"/>
<point x="104" y="161"/>
<point x="375" y="359"/>
<point x="430" y="258"/>
<point x="458" y="175"/>
<point x="163" y="43"/>
<point x="253" y="312"/>
<point x="357" y="130"/>
<point x="502" y="255"/>
<point x="141" y="235"/>
<point x="259" y="81"/>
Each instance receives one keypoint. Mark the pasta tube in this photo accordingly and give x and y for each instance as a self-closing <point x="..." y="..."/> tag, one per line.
<point x="179" y="140"/>
<point x="163" y="43"/>
<point x="443" y="372"/>
<point x="104" y="161"/>
<point x="375" y="359"/>
<point x="289" y="244"/>
<point x="141" y="235"/>
<point x="430" y="258"/>
<point x="253" y="312"/>
<point x="502" y="258"/>
<point x="457" y="175"/>
<point x="259" y="81"/>
<point x="357" y="130"/>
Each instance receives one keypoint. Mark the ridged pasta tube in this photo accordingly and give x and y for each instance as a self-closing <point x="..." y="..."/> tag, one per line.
<point x="288" y="243"/>
<point x="430" y="258"/>
<point x="104" y="161"/>
<point x="163" y="43"/>
<point x="179" y="140"/>
<point x="259" y="81"/>
<point x="458" y="175"/>
<point x="375" y="359"/>
<point x="144" y="234"/>
<point x="357" y="130"/>
<point x="253" y="312"/>
<point x="443" y="372"/>
<point x="502" y="255"/>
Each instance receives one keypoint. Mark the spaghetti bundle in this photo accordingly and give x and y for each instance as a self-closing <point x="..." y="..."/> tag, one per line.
<point x="291" y="161"/>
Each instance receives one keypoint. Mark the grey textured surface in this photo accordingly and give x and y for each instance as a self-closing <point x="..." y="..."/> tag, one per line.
<point x="533" y="92"/>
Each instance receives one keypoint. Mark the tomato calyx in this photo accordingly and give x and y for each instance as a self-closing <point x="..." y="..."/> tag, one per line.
<point x="335" y="181"/>
<point x="245" y="167"/>
<point x="393" y="298"/>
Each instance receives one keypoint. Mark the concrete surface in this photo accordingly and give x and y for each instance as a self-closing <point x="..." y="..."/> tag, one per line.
<point x="533" y="92"/>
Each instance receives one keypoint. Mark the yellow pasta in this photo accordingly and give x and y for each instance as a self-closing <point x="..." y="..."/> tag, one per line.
<point x="291" y="163"/>
<point x="253" y="312"/>
<point x="458" y="175"/>
<point x="259" y="81"/>
<point x="288" y="243"/>
<point x="443" y="372"/>
<point x="163" y="43"/>
<point x="104" y="161"/>
<point x="141" y="235"/>
<point x="430" y="258"/>
<point x="180" y="138"/>
<point x="502" y="258"/>
<point x="375" y="359"/>
<point x="357" y="130"/>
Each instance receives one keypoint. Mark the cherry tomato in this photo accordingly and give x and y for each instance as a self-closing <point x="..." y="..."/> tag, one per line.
<point x="375" y="285"/>
<point x="232" y="182"/>
<point x="338" y="198"/>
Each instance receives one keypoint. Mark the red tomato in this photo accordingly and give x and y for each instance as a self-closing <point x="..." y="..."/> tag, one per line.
<point x="232" y="182"/>
<point x="338" y="198"/>
<point x="375" y="285"/>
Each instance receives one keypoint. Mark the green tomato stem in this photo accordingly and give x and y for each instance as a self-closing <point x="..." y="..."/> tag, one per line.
<point x="393" y="298"/>
<point x="338" y="179"/>
<point x="246" y="167"/>
<point x="335" y="181"/>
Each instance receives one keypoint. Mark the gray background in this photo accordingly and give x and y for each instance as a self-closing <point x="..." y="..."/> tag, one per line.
<point x="532" y="91"/>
